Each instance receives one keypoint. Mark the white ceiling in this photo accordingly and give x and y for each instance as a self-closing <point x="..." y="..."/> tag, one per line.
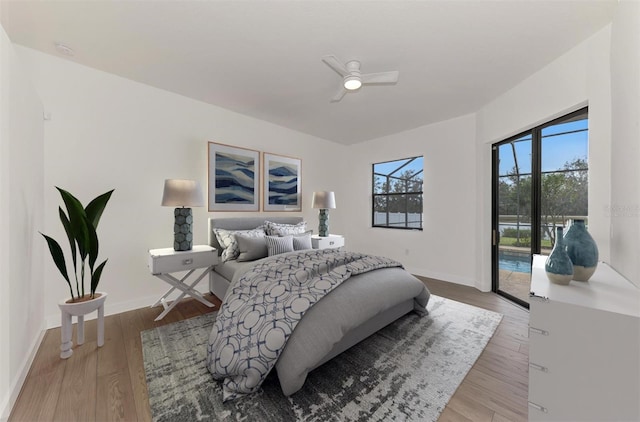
<point x="263" y="58"/>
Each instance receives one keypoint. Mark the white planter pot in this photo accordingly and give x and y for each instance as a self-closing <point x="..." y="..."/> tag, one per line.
<point x="79" y="310"/>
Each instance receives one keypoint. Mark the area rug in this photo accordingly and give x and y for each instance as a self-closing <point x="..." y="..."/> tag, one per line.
<point x="407" y="371"/>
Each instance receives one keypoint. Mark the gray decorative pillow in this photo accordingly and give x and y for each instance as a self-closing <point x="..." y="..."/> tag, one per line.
<point x="301" y="243"/>
<point x="251" y="248"/>
<point x="280" y="229"/>
<point x="227" y="240"/>
<point x="279" y="244"/>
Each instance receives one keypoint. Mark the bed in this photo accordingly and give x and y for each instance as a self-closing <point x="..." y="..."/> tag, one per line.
<point x="352" y="311"/>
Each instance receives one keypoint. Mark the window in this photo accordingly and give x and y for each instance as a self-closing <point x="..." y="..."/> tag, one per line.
<point x="397" y="194"/>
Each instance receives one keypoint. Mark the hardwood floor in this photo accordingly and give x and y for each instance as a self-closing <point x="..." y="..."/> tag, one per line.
<point x="108" y="383"/>
<point x="496" y="387"/>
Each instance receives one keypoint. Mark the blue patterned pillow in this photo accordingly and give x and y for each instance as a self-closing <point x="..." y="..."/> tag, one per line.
<point x="279" y="244"/>
<point x="280" y="229"/>
<point x="227" y="240"/>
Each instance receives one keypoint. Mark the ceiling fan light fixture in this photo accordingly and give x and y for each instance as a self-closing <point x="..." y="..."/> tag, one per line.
<point x="352" y="83"/>
<point x="353" y="79"/>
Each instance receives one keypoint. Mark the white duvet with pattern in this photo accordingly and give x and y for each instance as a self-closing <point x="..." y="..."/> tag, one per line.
<point x="264" y="306"/>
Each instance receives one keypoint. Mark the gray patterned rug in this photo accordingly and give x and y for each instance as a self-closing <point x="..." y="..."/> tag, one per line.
<point x="407" y="371"/>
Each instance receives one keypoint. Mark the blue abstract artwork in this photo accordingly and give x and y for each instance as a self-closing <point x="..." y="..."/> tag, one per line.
<point x="282" y="183"/>
<point x="234" y="175"/>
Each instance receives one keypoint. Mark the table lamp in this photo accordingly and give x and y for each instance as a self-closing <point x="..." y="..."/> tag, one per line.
<point x="182" y="194"/>
<point x="324" y="200"/>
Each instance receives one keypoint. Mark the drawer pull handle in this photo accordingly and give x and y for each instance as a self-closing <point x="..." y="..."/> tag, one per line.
<point x="187" y="261"/>
<point x="331" y="243"/>
<point x="534" y="296"/>
<point x="539" y="331"/>
<point x="538" y="367"/>
<point x="538" y="407"/>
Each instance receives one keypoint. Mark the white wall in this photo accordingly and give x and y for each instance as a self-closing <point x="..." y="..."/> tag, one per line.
<point x="21" y="200"/>
<point x="625" y="151"/>
<point x="580" y="77"/>
<point x="108" y="132"/>
<point x="445" y="249"/>
<point x="455" y="245"/>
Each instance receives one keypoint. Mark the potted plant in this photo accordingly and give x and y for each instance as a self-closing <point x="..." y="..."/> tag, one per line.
<point x="80" y="224"/>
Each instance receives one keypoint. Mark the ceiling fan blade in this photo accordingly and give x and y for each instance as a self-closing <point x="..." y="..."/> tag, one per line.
<point x="381" y="78"/>
<point x="335" y="64"/>
<point x="339" y="95"/>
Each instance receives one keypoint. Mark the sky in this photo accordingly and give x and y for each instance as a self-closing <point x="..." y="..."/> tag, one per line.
<point x="556" y="150"/>
<point x="385" y="168"/>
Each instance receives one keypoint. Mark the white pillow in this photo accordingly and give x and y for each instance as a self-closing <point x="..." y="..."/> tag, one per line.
<point x="251" y="248"/>
<point x="280" y="229"/>
<point x="303" y="242"/>
<point x="279" y="244"/>
<point x="228" y="241"/>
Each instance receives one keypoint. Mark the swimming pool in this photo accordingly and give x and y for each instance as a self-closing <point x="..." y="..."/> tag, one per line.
<point x="514" y="261"/>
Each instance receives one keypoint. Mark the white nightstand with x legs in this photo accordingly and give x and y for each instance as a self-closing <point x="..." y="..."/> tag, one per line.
<point x="163" y="262"/>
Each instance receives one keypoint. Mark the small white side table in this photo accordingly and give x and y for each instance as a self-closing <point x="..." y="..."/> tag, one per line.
<point x="326" y="242"/>
<point x="163" y="262"/>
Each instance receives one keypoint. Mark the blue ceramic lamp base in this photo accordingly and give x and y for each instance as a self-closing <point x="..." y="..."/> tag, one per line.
<point x="183" y="229"/>
<point x="323" y="227"/>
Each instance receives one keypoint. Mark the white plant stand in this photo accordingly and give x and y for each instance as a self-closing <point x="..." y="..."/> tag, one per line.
<point x="79" y="310"/>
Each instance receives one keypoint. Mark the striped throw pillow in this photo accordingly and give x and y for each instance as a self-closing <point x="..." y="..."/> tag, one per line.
<point x="277" y="245"/>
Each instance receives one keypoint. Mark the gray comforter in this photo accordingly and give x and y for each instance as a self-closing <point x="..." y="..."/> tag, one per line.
<point x="250" y="335"/>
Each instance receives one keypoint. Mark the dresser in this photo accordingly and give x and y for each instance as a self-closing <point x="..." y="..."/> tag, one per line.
<point x="584" y="348"/>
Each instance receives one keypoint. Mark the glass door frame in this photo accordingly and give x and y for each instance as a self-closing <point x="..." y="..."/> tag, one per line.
<point x="495" y="208"/>
<point x="536" y="195"/>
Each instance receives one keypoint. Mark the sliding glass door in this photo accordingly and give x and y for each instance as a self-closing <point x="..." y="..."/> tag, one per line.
<point x="540" y="180"/>
<point x="512" y="199"/>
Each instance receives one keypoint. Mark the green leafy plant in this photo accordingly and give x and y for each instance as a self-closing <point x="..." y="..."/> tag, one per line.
<point x="80" y="224"/>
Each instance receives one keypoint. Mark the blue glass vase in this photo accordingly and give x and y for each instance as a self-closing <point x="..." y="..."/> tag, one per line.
<point x="559" y="267"/>
<point x="582" y="250"/>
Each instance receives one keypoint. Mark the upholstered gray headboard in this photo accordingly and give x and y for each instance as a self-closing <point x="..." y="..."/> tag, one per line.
<point x="243" y="223"/>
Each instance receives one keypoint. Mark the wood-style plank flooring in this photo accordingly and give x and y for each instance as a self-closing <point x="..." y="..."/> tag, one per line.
<point x="496" y="387"/>
<point x="108" y="383"/>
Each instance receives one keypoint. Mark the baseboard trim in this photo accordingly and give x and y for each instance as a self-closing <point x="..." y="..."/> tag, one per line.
<point x="16" y="385"/>
<point x="443" y="277"/>
<point x="110" y="308"/>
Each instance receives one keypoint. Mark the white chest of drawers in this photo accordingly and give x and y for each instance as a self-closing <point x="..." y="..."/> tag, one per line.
<point x="584" y="348"/>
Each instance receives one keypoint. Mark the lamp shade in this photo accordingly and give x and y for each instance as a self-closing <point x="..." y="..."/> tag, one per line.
<point x="182" y="193"/>
<point x="324" y="200"/>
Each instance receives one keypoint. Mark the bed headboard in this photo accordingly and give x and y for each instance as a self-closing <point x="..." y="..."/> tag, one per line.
<point x="243" y="223"/>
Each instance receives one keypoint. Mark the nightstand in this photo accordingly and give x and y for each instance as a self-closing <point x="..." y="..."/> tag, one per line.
<point x="163" y="262"/>
<point x="325" y="242"/>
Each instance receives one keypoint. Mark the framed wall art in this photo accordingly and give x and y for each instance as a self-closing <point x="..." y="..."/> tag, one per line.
<point x="234" y="178"/>
<point x="282" y="183"/>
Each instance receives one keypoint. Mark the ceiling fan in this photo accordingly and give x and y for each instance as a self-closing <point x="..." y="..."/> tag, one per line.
<point x="353" y="79"/>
